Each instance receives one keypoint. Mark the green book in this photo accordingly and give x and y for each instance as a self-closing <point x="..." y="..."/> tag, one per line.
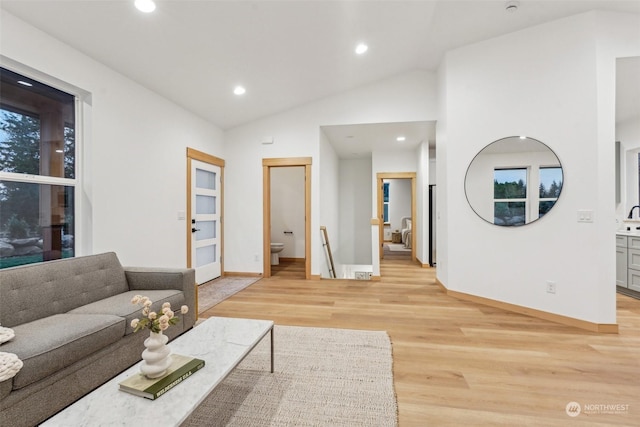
<point x="182" y="367"/>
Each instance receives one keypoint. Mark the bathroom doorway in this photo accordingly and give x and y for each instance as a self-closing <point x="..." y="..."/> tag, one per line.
<point x="287" y="190"/>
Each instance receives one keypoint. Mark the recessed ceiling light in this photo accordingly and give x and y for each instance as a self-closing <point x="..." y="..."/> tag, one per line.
<point x="23" y="83"/>
<point x="239" y="90"/>
<point x="400" y="138"/>
<point x="361" y="48"/>
<point x="522" y="137"/>
<point x="146" y="6"/>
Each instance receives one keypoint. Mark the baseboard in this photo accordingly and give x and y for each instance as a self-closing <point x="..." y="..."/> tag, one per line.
<point x="375" y="278"/>
<point x="286" y="259"/>
<point x="604" y="328"/>
<point x="421" y="264"/>
<point x="240" y="274"/>
<point x="315" y="277"/>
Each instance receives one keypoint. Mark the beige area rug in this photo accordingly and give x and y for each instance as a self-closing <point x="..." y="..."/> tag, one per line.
<point x="397" y="247"/>
<point x="323" y="377"/>
<point x="216" y="291"/>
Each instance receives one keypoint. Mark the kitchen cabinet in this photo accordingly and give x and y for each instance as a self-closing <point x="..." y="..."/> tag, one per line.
<point x="621" y="261"/>
<point x="628" y="262"/>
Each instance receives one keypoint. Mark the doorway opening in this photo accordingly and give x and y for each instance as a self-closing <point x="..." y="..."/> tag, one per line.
<point x="205" y="185"/>
<point x="397" y="213"/>
<point x="284" y="170"/>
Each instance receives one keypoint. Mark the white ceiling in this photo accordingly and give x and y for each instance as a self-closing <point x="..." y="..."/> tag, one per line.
<point x="286" y="53"/>
<point x="357" y="141"/>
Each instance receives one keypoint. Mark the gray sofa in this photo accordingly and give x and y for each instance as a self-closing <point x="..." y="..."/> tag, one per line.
<point x="72" y="323"/>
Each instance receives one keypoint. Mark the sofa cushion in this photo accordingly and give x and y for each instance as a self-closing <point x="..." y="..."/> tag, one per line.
<point x="35" y="291"/>
<point x="120" y="305"/>
<point x="48" y="345"/>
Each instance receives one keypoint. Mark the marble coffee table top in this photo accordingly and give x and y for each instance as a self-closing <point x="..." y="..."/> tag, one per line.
<point x="221" y="342"/>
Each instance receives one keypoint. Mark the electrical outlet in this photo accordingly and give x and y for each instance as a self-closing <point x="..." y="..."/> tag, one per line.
<point x="551" y="287"/>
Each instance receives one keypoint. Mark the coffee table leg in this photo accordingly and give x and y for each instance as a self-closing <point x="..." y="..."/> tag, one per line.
<point x="272" y="349"/>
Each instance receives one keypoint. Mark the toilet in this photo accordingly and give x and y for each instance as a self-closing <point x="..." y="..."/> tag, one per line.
<point x="276" y="248"/>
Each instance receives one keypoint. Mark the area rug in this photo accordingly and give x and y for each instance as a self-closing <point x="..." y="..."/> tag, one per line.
<point x="323" y="377"/>
<point x="216" y="291"/>
<point x="397" y="247"/>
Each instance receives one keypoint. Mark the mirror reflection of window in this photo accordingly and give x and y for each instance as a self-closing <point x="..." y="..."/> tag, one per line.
<point x="513" y="181"/>
<point x="510" y="196"/>
<point x="550" y="188"/>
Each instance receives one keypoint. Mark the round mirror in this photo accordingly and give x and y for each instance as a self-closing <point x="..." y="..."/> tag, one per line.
<point x="513" y="181"/>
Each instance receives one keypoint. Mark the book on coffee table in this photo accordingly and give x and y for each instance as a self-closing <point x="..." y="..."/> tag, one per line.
<point x="182" y="367"/>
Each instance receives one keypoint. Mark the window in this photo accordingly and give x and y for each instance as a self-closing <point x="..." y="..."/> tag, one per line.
<point x="510" y="196"/>
<point x="37" y="171"/>
<point x="385" y="202"/>
<point x="550" y="188"/>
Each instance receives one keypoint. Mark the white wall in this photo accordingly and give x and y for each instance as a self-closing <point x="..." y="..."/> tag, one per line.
<point x="287" y="210"/>
<point x="330" y="205"/>
<point x="407" y="97"/>
<point x="354" y="213"/>
<point x="134" y="162"/>
<point x="555" y="85"/>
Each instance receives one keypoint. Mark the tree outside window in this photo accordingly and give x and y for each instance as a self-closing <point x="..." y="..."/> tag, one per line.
<point x="510" y="196"/>
<point x="37" y="171"/>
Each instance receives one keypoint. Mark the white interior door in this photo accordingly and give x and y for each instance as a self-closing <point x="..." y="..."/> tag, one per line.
<point x="205" y="221"/>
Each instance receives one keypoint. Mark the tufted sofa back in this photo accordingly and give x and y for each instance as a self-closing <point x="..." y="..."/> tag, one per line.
<point x="34" y="291"/>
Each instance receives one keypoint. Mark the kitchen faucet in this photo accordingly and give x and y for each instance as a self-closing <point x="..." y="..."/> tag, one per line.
<point x="631" y="211"/>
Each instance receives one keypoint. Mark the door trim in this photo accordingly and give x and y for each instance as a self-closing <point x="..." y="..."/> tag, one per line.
<point x="267" y="164"/>
<point x="193" y="154"/>
<point x="414" y="230"/>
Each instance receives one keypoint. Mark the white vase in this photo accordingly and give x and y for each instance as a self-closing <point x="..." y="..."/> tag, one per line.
<point x="156" y="358"/>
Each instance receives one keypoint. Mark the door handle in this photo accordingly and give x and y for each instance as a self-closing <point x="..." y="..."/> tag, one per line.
<point x="193" y="229"/>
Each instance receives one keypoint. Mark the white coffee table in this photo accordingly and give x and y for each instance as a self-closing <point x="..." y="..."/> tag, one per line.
<point x="221" y="342"/>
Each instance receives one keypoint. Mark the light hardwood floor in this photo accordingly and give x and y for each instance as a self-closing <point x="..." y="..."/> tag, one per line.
<point x="460" y="363"/>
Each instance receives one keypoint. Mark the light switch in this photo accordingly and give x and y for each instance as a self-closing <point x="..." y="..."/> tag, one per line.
<point x="181" y="215"/>
<point x="585" y="215"/>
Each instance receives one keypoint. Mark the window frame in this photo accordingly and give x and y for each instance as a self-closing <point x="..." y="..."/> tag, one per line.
<point x="526" y="199"/>
<point x="82" y="105"/>
<point x="548" y="199"/>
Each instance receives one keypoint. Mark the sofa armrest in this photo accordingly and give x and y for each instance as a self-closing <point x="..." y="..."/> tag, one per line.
<point x="183" y="279"/>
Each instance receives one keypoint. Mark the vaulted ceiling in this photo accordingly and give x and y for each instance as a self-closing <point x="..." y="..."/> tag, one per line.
<point x="285" y="53"/>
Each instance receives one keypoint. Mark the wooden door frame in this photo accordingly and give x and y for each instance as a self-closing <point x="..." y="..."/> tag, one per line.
<point x="414" y="231"/>
<point x="267" y="164"/>
<point x="193" y="154"/>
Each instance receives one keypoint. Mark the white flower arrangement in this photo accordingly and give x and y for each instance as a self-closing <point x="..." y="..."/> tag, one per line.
<point x="153" y="321"/>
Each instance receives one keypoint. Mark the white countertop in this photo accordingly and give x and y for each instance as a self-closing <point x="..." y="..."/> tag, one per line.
<point x="632" y="232"/>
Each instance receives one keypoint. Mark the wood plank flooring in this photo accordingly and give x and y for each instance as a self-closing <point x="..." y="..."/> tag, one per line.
<point x="289" y="270"/>
<point x="461" y="363"/>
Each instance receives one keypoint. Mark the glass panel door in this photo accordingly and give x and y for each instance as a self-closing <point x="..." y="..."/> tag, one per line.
<point x="205" y="221"/>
